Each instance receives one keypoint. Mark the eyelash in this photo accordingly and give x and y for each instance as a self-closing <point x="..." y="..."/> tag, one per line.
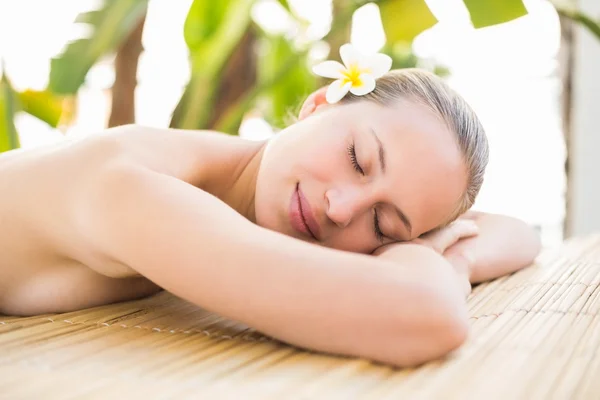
<point x="352" y="153"/>
<point x="378" y="232"/>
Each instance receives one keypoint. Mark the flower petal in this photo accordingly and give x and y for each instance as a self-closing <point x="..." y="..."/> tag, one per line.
<point x="350" y="56"/>
<point x="337" y="90"/>
<point x="367" y="84"/>
<point x="329" y="69"/>
<point x="377" y="64"/>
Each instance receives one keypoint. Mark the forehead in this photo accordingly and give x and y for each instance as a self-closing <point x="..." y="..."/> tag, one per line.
<point x="425" y="172"/>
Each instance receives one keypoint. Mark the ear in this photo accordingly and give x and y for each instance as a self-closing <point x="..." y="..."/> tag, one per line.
<point x="314" y="101"/>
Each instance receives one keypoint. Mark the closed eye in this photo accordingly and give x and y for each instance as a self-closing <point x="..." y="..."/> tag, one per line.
<point x="378" y="234"/>
<point x="352" y="154"/>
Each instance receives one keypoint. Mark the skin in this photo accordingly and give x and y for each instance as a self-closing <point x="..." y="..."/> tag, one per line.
<point x="424" y="174"/>
<point x="121" y="214"/>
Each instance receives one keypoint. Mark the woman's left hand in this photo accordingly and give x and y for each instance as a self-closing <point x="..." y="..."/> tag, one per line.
<point x="442" y="241"/>
<point x="443" y="238"/>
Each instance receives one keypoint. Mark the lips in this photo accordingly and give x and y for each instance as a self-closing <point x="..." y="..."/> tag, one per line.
<point x="301" y="216"/>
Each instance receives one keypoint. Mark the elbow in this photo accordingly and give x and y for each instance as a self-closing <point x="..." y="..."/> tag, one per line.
<point x="526" y="238"/>
<point x="536" y="245"/>
<point x="438" y="326"/>
<point x="438" y="322"/>
<point x="450" y="335"/>
<point x="438" y="337"/>
<point x="530" y="244"/>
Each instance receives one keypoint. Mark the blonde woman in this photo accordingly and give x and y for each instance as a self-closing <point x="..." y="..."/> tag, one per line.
<point x="348" y="233"/>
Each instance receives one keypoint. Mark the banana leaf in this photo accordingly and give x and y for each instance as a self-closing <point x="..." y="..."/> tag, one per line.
<point x="403" y="20"/>
<point x="46" y="106"/>
<point x="202" y="22"/>
<point x="110" y="25"/>
<point x="282" y="100"/>
<point x="212" y="31"/>
<point x="492" y="12"/>
<point x="9" y="138"/>
<point x="285" y="4"/>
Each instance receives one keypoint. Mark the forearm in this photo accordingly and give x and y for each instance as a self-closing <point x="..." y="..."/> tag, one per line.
<point x="332" y="301"/>
<point x="503" y="245"/>
<point x="198" y="248"/>
<point x="396" y="312"/>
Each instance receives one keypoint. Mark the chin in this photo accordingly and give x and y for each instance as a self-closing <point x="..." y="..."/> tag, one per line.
<point x="268" y="220"/>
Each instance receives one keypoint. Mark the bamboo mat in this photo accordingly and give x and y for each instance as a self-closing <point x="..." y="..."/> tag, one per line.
<point x="535" y="335"/>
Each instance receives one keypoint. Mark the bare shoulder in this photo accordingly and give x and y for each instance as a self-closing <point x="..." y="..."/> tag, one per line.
<point x="45" y="188"/>
<point x="57" y="199"/>
<point x="184" y="154"/>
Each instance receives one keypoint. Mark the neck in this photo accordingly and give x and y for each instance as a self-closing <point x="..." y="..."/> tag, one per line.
<point x="239" y="187"/>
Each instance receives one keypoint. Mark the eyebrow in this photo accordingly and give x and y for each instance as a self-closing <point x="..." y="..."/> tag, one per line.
<point x="381" y="152"/>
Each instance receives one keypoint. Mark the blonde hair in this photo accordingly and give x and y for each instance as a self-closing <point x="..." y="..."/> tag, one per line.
<point x="429" y="90"/>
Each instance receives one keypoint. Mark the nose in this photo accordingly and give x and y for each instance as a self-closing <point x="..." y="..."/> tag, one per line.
<point x="344" y="204"/>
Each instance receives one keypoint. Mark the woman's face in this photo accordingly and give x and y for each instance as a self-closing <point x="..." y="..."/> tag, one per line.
<point x="360" y="175"/>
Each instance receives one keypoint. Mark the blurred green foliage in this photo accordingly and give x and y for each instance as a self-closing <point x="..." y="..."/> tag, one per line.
<point x="403" y="20"/>
<point x="214" y="31"/>
<point x="9" y="139"/>
<point x="492" y="12"/>
<point x="110" y="25"/>
<point x="282" y="96"/>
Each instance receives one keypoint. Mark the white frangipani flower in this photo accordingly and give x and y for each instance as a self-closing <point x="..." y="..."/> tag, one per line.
<point x="357" y="75"/>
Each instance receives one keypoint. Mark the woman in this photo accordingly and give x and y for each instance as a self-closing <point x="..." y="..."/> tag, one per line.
<point x="337" y="235"/>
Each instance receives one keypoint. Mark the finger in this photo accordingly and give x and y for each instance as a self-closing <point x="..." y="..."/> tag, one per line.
<point x="468" y="288"/>
<point x="465" y="228"/>
<point x="449" y="235"/>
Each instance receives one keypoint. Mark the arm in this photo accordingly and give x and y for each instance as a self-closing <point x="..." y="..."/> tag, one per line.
<point x="503" y="245"/>
<point x="192" y="244"/>
<point x="439" y="240"/>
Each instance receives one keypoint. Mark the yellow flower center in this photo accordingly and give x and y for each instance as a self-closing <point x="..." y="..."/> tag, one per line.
<point x="352" y="74"/>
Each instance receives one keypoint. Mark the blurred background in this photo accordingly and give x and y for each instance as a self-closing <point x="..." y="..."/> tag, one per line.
<point x="528" y="68"/>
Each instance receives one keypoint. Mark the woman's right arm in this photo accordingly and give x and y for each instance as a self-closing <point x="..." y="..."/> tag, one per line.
<point x="195" y="246"/>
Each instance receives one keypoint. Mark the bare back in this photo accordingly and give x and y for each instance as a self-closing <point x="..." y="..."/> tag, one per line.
<point x="45" y="265"/>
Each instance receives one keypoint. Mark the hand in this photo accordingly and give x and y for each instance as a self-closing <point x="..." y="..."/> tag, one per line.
<point x="462" y="260"/>
<point x="441" y="239"/>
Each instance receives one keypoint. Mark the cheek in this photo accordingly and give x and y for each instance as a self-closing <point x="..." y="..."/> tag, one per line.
<point x="325" y="168"/>
<point x="431" y="204"/>
<point x="356" y="238"/>
<point x="327" y="162"/>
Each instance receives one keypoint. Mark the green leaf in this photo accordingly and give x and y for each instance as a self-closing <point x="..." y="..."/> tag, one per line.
<point x="210" y="48"/>
<point x="233" y="117"/>
<point x="9" y="138"/>
<point x="285" y="4"/>
<point x="203" y="21"/>
<point x="492" y="12"/>
<point x="592" y="25"/>
<point x="402" y="55"/>
<point x="403" y="20"/>
<point x="281" y="99"/>
<point x="110" y="25"/>
<point x="44" y="105"/>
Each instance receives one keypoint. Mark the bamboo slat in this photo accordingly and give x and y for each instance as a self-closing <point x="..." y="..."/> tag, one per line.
<point x="534" y="335"/>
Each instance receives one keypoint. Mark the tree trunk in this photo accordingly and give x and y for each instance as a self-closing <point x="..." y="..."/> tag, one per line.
<point x="341" y="27"/>
<point x="238" y="77"/>
<point x="123" y="91"/>
<point x="565" y="58"/>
